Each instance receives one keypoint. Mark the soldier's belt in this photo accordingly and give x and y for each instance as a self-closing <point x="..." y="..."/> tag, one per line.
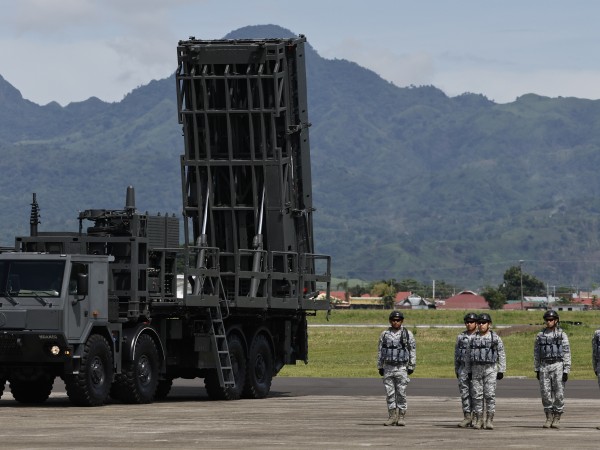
<point x="394" y="363"/>
<point x="551" y="360"/>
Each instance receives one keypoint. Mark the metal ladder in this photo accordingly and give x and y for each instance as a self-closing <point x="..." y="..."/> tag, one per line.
<point x="221" y="349"/>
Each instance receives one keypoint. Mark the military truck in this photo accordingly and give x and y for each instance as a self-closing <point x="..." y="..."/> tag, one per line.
<point x="122" y="306"/>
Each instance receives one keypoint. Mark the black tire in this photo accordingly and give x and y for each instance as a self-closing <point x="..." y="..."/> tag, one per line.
<point x="162" y="389"/>
<point x="32" y="391"/>
<point x="2" y="383"/>
<point x="237" y="354"/>
<point x="90" y="387"/>
<point x="139" y="378"/>
<point x="259" y="374"/>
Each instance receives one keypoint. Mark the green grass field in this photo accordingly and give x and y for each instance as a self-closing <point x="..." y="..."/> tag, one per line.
<point x="342" y="351"/>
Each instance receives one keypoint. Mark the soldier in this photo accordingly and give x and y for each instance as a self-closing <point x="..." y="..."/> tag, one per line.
<point x="461" y="350"/>
<point x="596" y="357"/>
<point x="552" y="364"/>
<point x="396" y="360"/>
<point x="486" y="364"/>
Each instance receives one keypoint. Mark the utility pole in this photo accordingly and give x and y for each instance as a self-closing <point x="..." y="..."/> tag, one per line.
<point x="521" y="273"/>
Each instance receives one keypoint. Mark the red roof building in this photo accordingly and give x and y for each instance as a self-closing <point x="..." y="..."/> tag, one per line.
<point x="465" y="300"/>
<point x="400" y="296"/>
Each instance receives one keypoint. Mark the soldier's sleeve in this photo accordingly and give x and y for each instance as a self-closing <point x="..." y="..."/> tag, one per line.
<point x="501" y="356"/>
<point x="468" y="356"/>
<point x="536" y="353"/>
<point x="413" y="351"/>
<point x="457" y="353"/>
<point x="379" y="355"/>
<point x="566" y="353"/>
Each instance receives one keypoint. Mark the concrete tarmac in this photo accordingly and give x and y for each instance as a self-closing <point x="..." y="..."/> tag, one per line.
<point x="317" y="413"/>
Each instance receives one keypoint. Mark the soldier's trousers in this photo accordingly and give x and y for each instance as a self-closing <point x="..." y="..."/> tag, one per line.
<point x="464" y="387"/>
<point x="483" y="387"/>
<point x="395" y="380"/>
<point x="552" y="387"/>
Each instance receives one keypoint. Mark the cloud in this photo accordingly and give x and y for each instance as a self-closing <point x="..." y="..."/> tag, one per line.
<point x="140" y="54"/>
<point x="68" y="50"/>
<point x="403" y="69"/>
<point x="62" y="72"/>
<point x="48" y="16"/>
<point x="504" y="86"/>
<point x="103" y="48"/>
<point x="499" y="77"/>
<point x="54" y="18"/>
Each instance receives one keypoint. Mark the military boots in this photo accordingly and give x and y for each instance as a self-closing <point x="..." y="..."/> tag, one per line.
<point x="401" y="414"/>
<point x="549" y="418"/>
<point x="556" y="420"/>
<point x="478" y="421"/>
<point x="393" y="417"/>
<point x="489" y="425"/>
<point x="466" y="421"/>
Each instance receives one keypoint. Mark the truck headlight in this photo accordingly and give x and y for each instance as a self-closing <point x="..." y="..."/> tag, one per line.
<point x="55" y="350"/>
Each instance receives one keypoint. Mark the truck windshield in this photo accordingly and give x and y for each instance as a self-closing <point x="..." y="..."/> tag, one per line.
<point x="31" y="278"/>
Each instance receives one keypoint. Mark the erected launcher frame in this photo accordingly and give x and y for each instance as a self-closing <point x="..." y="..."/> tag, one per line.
<point x="246" y="177"/>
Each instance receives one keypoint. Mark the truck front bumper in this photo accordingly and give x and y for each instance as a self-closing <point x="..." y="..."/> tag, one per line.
<point x="21" y="348"/>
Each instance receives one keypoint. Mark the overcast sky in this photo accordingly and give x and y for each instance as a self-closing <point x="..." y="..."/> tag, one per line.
<point x="70" y="50"/>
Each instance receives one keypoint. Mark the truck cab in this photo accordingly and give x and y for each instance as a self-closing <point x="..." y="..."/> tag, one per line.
<point x="49" y="306"/>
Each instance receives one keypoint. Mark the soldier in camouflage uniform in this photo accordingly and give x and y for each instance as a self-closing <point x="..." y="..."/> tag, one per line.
<point x="396" y="360"/>
<point x="596" y="357"/>
<point x="461" y="351"/>
<point x="486" y="364"/>
<point x="552" y="364"/>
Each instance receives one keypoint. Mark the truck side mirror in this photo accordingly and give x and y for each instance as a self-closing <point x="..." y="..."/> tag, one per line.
<point x="82" y="284"/>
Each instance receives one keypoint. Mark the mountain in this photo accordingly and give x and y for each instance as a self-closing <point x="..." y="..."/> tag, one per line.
<point x="408" y="182"/>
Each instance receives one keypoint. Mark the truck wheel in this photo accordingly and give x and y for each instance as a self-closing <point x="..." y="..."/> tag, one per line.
<point x="139" y="378"/>
<point x="260" y="369"/>
<point x="32" y="391"/>
<point x="163" y="389"/>
<point x="238" y="364"/>
<point x="2" y="383"/>
<point x="90" y="387"/>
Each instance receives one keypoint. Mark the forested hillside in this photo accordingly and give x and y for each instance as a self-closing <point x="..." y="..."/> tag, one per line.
<point x="408" y="183"/>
